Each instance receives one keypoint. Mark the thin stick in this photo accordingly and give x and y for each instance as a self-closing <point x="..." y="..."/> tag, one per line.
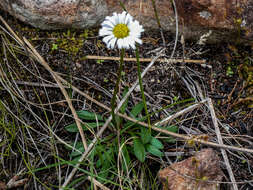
<point x="224" y="154"/>
<point x="176" y="39"/>
<point x="146" y="59"/>
<point x="97" y="183"/>
<point x="37" y="84"/>
<point x="171" y="117"/>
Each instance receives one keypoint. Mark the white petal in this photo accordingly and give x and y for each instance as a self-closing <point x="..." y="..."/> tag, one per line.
<point x="110" y="19"/>
<point x="122" y="17"/>
<point x="125" y="43"/>
<point x="135" y="26"/>
<point x="131" y="42"/>
<point x="135" y="35"/>
<point x="128" y="19"/>
<point x="107" y="24"/>
<point x="138" y="40"/>
<point x="106" y="39"/>
<point x="105" y="32"/>
<point x="132" y="45"/>
<point x="111" y="43"/>
<point x="120" y="43"/>
<point x="116" y="18"/>
<point x="135" y="30"/>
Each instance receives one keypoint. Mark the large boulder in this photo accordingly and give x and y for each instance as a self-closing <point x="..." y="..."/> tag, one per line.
<point x="57" y="14"/>
<point x="222" y="20"/>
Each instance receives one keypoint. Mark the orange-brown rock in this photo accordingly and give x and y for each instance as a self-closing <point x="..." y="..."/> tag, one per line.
<point x="197" y="172"/>
<point x="224" y="20"/>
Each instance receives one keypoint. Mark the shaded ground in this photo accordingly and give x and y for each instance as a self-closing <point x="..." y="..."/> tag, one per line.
<point x="227" y="80"/>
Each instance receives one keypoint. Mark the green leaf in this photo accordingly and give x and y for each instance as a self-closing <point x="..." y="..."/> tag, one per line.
<point x="54" y="46"/>
<point x="118" y="120"/>
<point x="137" y="109"/>
<point x="145" y="135"/>
<point x="173" y="129"/>
<point x="153" y="150"/>
<point x="156" y="143"/>
<point x="139" y="150"/>
<point x="126" y="158"/>
<point x="73" y="127"/>
<point x="76" y="159"/>
<point x="124" y="106"/>
<point x="130" y="123"/>
<point x="76" y="153"/>
<point x="170" y="140"/>
<point x="109" y="155"/>
<point x="83" y="114"/>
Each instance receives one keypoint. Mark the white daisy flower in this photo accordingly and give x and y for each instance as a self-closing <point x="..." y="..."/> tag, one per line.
<point x="121" y="30"/>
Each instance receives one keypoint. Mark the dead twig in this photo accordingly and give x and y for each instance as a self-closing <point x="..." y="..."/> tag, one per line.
<point x="37" y="84"/>
<point x="146" y="59"/>
<point x="219" y="137"/>
<point x="171" y="117"/>
<point x="97" y="183"/>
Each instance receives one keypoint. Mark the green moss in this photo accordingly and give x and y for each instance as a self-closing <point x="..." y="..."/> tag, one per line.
<point x="240" y="63"/>
<point x="69" y="41"/>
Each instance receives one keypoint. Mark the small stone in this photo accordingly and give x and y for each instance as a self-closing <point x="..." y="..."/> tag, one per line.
<point x="193" y="173"/>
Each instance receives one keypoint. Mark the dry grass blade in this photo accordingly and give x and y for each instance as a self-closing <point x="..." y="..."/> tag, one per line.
<point x="188" y="109"/>
<point x="219" y="137"/>
<point x="97" y="183"/>
<point x="57" y="79"/>
<point x="37" y="56"/>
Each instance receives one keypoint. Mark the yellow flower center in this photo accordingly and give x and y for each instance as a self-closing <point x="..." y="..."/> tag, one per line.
<point x="121" y="31"/>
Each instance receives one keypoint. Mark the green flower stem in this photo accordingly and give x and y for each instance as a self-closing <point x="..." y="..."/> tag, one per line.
<point x="122" y="5"/>
<point x="116" y="89"/>
<point x="158" y="21"/>
<point x="156" y="14"/>
<point x="141" y="85"/>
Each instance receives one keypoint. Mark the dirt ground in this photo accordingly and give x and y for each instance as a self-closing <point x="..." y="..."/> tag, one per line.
<point x="226" y="78"/>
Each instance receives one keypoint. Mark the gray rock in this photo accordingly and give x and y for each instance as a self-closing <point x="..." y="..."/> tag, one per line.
<point x="57" y="14"/>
